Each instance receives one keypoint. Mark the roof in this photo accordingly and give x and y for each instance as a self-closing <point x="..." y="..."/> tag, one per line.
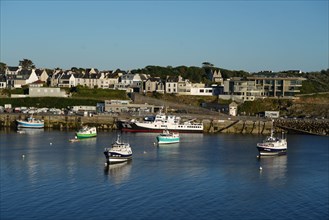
<point x="13" y="68"/>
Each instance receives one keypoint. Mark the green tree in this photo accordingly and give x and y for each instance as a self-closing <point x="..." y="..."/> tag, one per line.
<point x="3" y="67"/>
<point x="26" y="64"/>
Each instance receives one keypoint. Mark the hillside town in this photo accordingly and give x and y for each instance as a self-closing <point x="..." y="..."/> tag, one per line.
<point x="239" y="89"/>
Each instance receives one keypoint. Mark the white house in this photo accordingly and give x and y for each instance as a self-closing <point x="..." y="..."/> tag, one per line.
<point x="25" y="77"/>
<point x="130" y="80"/>
<point x="233" y="109"/>
<point x="171" y="86"/>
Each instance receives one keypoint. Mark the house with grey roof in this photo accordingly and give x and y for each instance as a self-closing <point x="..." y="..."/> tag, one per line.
<point x="3" y="81"/>
<point x="13" y="70"/>
<point x="24" y="77"/>
<point x="66" y="79"/>
<point x="42" y="74"/>
<point x="154" y="84"/>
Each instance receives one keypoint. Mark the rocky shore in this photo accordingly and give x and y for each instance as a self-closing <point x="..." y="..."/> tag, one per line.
<point x="309" y="126"/>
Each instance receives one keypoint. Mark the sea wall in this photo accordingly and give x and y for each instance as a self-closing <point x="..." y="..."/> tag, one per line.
<point x="211" y="124"/>
<point x="106" y="122"/>
<point x="62" y="122"/>
<point x="238" y="126"/>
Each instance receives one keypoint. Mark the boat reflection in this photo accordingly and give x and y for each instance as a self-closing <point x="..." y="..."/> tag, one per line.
<point x="118" y="172"/>
<point x="274" y="168"/>
<point x="30" y="131"/>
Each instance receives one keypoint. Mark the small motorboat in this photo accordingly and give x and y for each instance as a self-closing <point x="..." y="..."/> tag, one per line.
<point x="167" y="137"/>
<point x="118" y="152"/>
<point x="74" y="140"/>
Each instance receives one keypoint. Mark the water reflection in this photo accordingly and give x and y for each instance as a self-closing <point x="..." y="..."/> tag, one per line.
<point x="118" y="172"/>
<point x="168" y="149"/>
<point x="30" y="131"/>
<point x="274" y="169"/>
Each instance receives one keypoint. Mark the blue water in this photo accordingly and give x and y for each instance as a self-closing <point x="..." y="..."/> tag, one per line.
<point x="203" y="177"/>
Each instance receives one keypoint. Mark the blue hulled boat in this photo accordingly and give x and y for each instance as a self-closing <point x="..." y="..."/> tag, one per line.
<point x="30" y="122"/>
<point x="118" y="152"/>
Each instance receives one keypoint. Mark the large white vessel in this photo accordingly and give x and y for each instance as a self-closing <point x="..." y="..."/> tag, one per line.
<point x="160" y="123"/>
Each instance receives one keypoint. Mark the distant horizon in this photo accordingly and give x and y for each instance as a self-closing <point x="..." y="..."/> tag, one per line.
<point x="251" y="36"/>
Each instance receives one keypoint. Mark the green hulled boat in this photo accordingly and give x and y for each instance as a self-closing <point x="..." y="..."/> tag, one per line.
<point x="86" y="132"/>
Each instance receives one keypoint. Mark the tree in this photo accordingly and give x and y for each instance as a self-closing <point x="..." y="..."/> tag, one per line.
<point x="3" y="67"/>
<point x="26" y="64"/>
<point x="207" y="65"/>
<point x="208" y="68"/>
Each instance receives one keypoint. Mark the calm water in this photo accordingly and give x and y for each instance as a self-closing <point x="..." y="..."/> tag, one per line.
<point x="203" y="177"/>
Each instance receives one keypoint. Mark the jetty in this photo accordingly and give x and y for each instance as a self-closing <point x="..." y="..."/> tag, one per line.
<point x="306" y="126"/>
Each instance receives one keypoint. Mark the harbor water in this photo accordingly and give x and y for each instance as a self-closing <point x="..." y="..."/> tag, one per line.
<point x="205" y="176"/>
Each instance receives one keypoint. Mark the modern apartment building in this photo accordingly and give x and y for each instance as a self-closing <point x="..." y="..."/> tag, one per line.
<point x="251" y="88"/>
<point x="278" y="86"/>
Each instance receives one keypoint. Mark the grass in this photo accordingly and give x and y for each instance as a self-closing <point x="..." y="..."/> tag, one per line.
<point x="82" y="96"/>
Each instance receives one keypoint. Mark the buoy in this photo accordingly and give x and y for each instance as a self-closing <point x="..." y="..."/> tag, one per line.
<point x="23" y="155"/>
<point x="260" y="168"/>
<point x="50" y="143"/>
<point x="144" y="152"/>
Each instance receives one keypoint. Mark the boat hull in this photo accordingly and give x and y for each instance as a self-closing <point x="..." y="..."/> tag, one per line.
<point x="113" y="157"/>
<point x="24" y="124"/>
<point x="166" y="140"/>
<point x="81" y="136"/>
<point x="265" y="151"/>
<point x="133" y="127"/>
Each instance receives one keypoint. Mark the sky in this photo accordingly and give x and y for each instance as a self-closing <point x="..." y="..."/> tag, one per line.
<point x="236" y="35"/>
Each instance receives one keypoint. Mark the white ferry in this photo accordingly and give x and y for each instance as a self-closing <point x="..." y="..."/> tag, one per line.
<point x="160" y="123"/>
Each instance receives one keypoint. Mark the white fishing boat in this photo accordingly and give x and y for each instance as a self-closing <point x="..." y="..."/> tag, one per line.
<point x="167" y="137"/>
<point x="30" y="122"/>
<point x="160" y="123"/>
<point x="86" y="132"/>
<point x="272" y="146"/>
<point x="118" y="152"/>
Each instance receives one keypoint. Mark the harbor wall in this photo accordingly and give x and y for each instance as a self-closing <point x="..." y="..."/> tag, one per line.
<point x="212" y="125"/>
<point x="62" y="122"/>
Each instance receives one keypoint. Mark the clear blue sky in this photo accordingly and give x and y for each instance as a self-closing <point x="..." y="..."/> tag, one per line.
<point x="235" y="35"/>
